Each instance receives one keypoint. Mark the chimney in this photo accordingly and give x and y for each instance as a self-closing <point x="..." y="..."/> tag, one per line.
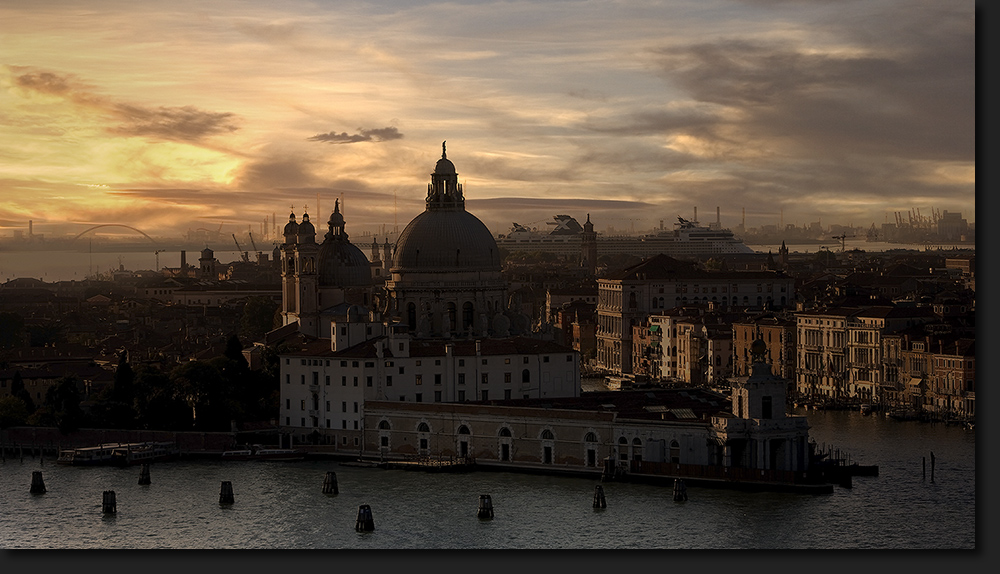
<point x="183" y="261"/>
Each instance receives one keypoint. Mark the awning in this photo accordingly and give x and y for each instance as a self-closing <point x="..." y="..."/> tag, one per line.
<point x="915" y="382"/>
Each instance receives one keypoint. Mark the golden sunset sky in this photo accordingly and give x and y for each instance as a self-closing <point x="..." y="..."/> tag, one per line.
<point x="172" y="116"/>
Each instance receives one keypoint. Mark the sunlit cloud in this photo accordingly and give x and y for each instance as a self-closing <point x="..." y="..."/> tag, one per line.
<point x="363" y="135"/>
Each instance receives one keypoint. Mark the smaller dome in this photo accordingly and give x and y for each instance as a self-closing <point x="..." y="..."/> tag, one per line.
<point x="291" y="228"/>
<point x="444" y="166"/>
<point x="306" y="228"/>
<point x="757" y="349"/>
<point x="207" y="253"/>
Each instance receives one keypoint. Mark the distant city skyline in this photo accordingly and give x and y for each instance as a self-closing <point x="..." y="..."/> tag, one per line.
<point x="174" y="117"/>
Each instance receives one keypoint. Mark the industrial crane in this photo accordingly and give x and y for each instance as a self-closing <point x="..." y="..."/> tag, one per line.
<point x="243" y="254"/>
<point x="842" y="238"/>
<point x="255" y="250"/>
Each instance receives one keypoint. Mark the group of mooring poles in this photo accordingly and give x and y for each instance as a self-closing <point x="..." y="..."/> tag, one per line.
<point x="109" y="504"/>
<point x="924" y="465"/>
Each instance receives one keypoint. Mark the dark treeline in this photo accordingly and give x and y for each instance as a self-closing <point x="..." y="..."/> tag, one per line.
<point x="197" y="395"/>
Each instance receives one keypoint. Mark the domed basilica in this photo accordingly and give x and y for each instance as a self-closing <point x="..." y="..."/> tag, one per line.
<point x="444" y="273"/>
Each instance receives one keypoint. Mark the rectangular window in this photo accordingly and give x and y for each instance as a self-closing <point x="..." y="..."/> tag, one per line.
<point x="328" y="380"/>
<point x="327" y="406"/>
<point x="302" y="380"/>
<point x="343" y="363"/>
<point x="368" y="381"/>
<point x="304" y="362"/>
<point x="461" y="395"/>
<point x="506" y="393"/>
<point x="388" y="380"/>
<point x="420" y="398"/>
<point x="401" y="370"/>
<point x="303" y="423"/>
<point x="486" y="378"/>
<point x="525" y="361"/>
<point x="303" y="406"/>
<point x="437" y="396"/>
<point x="402" y="398"/>
<point x="288" y="421"/>
<point x="461" y="378"/>
<point x="461" y="362"/>
<point x="485" y="362"/>
<point x="315" y="379"/>
<point x="419" y="379"/>
<point x="437" y="379"/>
<point x="437" y="362"/>
<point x="569" y="358"/>
<point x="369" y="364"/>
<point x="506" y="378"/>
<point x="288" y="379"/>
<point x="545" y="359"/>
<point x="288" y="404"/>
<point x="343" y="381"/>
<point x="418" y="362"/>
<point x="355" y="428"/>
<point x="354" y="364"/>
<point x="506" y="361"/>
<point x="486" y="395"/>
<point x="343" y="406"/>
<point x="327" y="423"/>
<point x="355" y="407"/>
<point x="343" y="425"/>
<point x="355" y="381"/>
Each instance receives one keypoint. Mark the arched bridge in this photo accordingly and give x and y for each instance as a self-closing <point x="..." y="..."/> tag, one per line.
<point x="139" y="231"/>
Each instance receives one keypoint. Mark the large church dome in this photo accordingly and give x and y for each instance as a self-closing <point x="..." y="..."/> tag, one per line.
<point x="445" y="235"/>
<point x="451" y="239"/>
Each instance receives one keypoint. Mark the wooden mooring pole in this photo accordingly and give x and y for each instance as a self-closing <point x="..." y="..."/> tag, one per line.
<point x="599" y="500"/>
<point x="932" y="468"/>
<point x="144" y="474"/>
<point x="37" y="484"/>
<point x="226" y="494"/>
<point x="330" y="483"/>
<point x="923" y="466"/>
<point x="109" y="505"/>
<point x="680" y="490"/>
<point x="485" y="507"/>
<point x="365" y="522"/>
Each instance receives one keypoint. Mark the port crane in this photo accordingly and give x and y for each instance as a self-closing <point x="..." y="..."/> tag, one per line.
<point x="243" y="254"/>
<point x="157" y="255"/>
<point x="842" y="237"/>
<point x="255" y="250"/>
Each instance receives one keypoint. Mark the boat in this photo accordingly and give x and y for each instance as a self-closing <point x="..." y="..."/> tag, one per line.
<point x="688" y="238"/>
<point x="866" y="409"/>
<point x="145" y="452"/>
<point x="259" y="452"/>
<point x="88" y="455"/>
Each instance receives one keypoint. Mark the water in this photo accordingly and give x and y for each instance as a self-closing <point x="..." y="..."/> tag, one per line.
<point x="281" y="505"/>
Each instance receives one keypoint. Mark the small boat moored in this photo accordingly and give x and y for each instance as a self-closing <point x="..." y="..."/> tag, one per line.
<point x="259" y="452"/>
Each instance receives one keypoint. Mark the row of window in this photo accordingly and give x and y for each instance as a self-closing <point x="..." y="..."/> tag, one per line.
<point x="418" y="362"/>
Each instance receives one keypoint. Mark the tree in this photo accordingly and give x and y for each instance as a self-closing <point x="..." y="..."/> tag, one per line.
<point x="124" y="381"/>
<point x="17" y="390"/>
<point x="13" y="412"/>
<point x="199" y="385"/>
<point x="11" y="330"/>
<point x="258" y="318"/>
<point x="62" y="402"/>
<point x="157" y="403"/>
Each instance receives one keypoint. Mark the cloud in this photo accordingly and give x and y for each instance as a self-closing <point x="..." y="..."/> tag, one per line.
<point x="180" y="123"/>
<point x="363" y="135"/>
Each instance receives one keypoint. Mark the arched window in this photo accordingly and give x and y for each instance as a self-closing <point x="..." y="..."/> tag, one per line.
<point x="636" y="442"/>
<point x="463" y="430"/>
<point x="451" y="316"/>
<point x="411" y="316"/>
<point x="654" y="303"/>
<point x="526" y="376"/>
<point x="675" y="452"/>
<point x="623" y="448"/>
<point x="591" y="437"/>
<point x="467" y="315"/>
<point x="547" y="434"/>
<point x="423" y="428"/>
<point x="631" y="301"/>
<point x="384" y="425"/>
<point x="505" y="431"/>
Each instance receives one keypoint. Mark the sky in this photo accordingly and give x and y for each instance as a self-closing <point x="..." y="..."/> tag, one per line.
<point x="175" y="116"/>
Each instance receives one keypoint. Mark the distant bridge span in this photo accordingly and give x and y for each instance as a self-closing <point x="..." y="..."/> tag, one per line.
<point x="86" y="231"/>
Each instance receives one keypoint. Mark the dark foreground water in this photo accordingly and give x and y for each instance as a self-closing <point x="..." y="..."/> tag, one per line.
<point x="281" y="505"/>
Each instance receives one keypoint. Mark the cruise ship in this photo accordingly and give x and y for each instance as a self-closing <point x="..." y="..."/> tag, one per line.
<point x="687" y="239"/>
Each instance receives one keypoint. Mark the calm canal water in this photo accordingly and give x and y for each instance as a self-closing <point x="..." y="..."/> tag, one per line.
<point x="281" y="505"/>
